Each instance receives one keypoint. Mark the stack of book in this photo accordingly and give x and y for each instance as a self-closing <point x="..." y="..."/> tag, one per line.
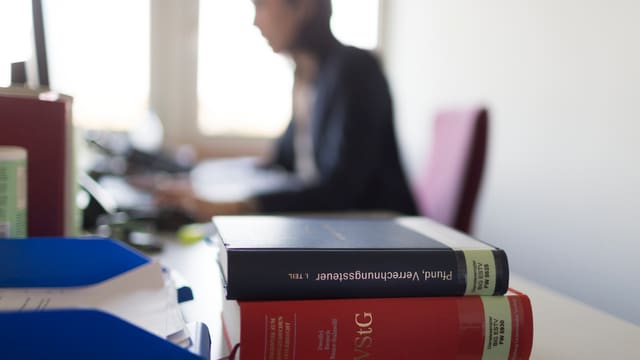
<point x="380" y="288"/>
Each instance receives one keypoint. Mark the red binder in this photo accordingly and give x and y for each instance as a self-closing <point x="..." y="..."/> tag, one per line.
<point x="41" y="122"/>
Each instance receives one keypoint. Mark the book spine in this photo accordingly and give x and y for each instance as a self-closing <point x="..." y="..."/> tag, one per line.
<point x="474" y="327"/>
<point x="304" y="274"/>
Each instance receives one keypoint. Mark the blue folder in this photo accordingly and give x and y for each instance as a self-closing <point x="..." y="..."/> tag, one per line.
<point x="78" y="333"/>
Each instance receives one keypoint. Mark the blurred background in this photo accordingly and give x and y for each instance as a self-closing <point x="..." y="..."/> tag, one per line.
<point x="560" y="79"/>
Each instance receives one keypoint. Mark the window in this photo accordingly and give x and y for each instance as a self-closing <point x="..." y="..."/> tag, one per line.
<point x="15" y="36"/>
<point x="355" y="22"/>
<point x="243" y="87"/>
<point x="99" y="54"/>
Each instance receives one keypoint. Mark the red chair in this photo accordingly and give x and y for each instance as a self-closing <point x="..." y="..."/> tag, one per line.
<point x="447" y="189"/>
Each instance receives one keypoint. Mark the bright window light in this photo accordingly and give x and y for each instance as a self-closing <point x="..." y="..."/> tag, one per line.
<point x="355" y="22"/>
<point x="99" y="54"/>
<point x="243" y="87"/>
<point x="15" y="36"/>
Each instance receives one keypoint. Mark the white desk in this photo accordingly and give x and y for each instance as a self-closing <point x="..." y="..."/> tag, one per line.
<point x="197" y="264"/>
<point x="563" y="327"/>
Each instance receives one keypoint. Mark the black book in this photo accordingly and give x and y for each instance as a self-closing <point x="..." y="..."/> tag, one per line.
<point x="277" y="257"/>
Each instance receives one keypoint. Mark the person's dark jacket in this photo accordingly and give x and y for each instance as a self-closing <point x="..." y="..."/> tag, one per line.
<point x="355" y="148"/>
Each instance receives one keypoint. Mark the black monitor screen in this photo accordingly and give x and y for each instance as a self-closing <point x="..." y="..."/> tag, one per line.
<point x="40" y="48"/>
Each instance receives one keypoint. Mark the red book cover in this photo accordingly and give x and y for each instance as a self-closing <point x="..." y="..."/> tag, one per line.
<point x="41" y="123"/>
<point x="464" y="327"/>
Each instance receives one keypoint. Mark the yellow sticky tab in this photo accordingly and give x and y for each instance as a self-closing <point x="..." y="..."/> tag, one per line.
<point x="190" y="234"/>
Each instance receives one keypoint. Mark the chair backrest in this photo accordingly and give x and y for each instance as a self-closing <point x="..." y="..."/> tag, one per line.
<point x="447" y="188"/>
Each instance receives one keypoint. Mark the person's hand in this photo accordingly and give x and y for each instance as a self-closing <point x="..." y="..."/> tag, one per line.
<point x="168" y="191"/>
<point x="203" y="210"/>
<point x="177" y="193"/>
<point x="160" y="182"/>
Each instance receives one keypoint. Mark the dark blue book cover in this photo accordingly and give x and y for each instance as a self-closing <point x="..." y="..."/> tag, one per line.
<point x="279" y="257"/>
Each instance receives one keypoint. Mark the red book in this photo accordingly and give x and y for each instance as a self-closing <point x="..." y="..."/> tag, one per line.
<point x="41" y="122"/>
<point x="464" y="327"/>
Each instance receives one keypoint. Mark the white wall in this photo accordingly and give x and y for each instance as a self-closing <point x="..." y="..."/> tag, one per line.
<point x="561" y="78"/>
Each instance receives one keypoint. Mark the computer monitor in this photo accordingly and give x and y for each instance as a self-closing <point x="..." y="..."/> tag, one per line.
<point x="40" y="45"/>
<point x="34" y="71"/>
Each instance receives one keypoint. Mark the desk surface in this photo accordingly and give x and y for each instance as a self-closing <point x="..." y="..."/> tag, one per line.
<point x="197" y="265"/>
<point x="564" y="328"/>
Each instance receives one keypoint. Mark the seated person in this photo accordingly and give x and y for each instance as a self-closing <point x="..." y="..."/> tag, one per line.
<point x="340" y="142"/>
